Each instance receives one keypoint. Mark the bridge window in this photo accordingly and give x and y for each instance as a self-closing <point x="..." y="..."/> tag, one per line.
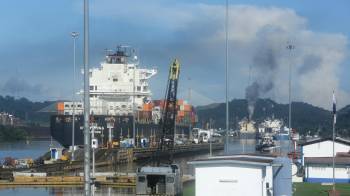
<point x="170" y="180"/>
<point x="141" y="179"/>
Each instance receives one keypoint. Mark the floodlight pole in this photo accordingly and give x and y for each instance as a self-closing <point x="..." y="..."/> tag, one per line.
<point x="226" y="80"/>
<point x="87" y="146"/>
<point x="74" y="36"/>
<point x="290" y="47"/>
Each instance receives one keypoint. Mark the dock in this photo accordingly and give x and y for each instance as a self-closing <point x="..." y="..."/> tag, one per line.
<point x="105" y="179"/>
<point x="115" y="156"/>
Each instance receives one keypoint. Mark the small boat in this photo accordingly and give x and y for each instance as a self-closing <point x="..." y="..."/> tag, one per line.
<point x="266" y="144"/>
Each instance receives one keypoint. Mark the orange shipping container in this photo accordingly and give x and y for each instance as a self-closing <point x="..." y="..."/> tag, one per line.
<point x="60" y="106"/>
<point x="187" y="108"/>
<point x="147" y="107"/>
<point x="181" y="113"/>
<point x="180" y="102"/>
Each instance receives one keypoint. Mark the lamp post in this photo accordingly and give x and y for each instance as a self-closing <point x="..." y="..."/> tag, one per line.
<point x="290" y="47"/>
<point x="226" y="79"/>
<point x="189" y="102"/>
<point x="87" y="147"/>
<point x="75" y="37"/>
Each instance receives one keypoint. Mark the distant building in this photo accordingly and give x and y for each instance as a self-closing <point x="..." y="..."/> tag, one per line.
<point x="317" y="160"/>
<point x="253" y="175"/>
<point x="246" y="126"/>
<point x="270" y="126"/>
<point x="8" y="119"/>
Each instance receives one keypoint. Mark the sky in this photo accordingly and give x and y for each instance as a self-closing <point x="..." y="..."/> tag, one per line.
<point x="36" y="49"/>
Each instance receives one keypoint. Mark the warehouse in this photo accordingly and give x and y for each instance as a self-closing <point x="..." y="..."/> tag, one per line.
<point x="253" y="175"/>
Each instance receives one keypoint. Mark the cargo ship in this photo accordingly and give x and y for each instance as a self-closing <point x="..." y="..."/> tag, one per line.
<point x="120" y="101"/>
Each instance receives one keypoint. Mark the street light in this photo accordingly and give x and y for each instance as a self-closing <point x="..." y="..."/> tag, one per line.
<point x="226" y="77"/>
<point x="75" y="37"/>
<point x="290" y="47"/>
<point x="87" y="147"/>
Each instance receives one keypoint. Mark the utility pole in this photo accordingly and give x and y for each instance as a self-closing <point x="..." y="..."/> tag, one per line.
<point x="87" y="147"/>
<point x="290" y="47"/>
<point x="334" y="122"/>
<point x="133" y="107"/>
<point x="74" y="36"/>
<point x="189" y="102"/>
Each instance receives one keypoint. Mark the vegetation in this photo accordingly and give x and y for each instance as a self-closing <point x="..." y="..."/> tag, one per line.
<point x="25" y="109"/>
<point x="314" y="189"/>
<point x="189" y="189"/>
<point x="9" y="133"/>
<point x="299" y="189"/>
<point x="306" y="118"/>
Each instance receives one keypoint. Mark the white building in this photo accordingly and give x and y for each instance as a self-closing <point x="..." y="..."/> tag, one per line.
<point x="316" y="158"/>
<point x="323" y="148"/>
<point x="244" y="175"/>
<point x="320" y="169"/>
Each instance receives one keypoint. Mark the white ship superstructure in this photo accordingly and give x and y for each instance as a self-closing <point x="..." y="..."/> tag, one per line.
<point x="116" y="85"/>
<point x="271" y="126"/>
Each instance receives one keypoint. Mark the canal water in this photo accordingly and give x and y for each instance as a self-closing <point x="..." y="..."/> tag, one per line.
<point x="34" y="149"/>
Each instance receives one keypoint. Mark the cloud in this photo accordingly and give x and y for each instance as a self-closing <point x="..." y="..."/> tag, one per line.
<point x="258" y="37"/>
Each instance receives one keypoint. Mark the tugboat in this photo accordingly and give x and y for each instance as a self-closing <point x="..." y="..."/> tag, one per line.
<point x="266" y="144"/>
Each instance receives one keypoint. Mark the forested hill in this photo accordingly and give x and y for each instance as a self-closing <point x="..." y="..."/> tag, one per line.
<point x="24" y="109"/>
<point x="305" y="117"/>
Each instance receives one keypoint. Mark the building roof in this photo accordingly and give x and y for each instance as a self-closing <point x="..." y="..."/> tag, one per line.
<point x="327" y="160"/>
<point x="337" y="139"/>
<point x="250" y="159"/>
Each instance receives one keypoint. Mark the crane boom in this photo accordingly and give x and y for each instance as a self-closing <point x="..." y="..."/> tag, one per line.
<point x="169" y="110"/>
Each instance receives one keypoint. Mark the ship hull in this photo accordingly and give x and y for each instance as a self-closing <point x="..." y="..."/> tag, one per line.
<point x="61" y="128"/>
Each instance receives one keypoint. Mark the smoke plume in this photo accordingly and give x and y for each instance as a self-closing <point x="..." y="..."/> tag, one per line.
<point x="265" y="68"/>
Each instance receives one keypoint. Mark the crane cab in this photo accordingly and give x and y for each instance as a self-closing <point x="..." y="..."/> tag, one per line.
<point x="163" y="180"/>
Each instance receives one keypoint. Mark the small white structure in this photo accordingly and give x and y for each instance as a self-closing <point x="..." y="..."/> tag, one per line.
<point x="56" y="153"/>
<point x="253" y="175"/>
<point x="320" y="170"/>
<point x="323" y="148"/>
<point x="317" y="160"/>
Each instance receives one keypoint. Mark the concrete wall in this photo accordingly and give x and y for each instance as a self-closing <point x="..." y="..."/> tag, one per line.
<point x="324" y="173"/>
<point x="323" y="149"/>
<point x="230" y="180"/>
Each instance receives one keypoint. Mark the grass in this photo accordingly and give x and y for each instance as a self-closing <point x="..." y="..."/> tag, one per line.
<point x="189" y="189"/>
<point x="314" y="189"/>
<point x="299" y="189"/>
